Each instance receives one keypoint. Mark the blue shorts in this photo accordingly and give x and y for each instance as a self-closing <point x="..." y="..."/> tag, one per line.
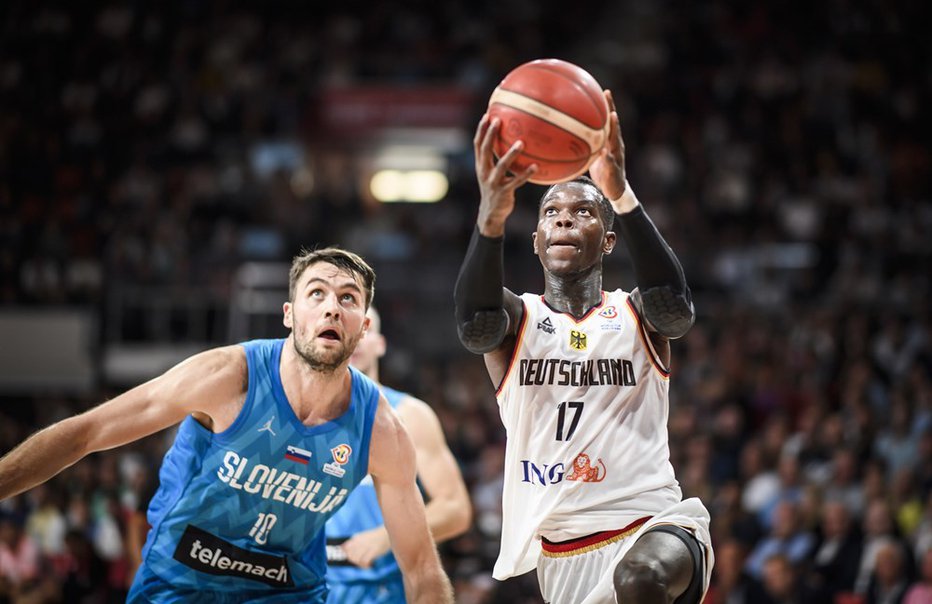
<point x="149" y="587"/>
<point x="390" y="590"/>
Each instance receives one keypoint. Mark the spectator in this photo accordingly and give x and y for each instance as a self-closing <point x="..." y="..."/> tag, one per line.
<point x="836" y="556"/>
<point x="920" y="592"/>
<point x="19" y="556"/>
<point x="786" y="538"/>
<point x="731" y="584"/>
<point x="879" y="533"/>
<point x="889" y="582"/>
<point x="782" y="584"/>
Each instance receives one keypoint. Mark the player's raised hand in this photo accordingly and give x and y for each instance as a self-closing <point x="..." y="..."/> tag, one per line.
<point x="608" y="170"/>
<point x="497" y="183"/>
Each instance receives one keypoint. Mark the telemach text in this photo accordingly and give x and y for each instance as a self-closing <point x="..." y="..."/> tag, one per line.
<point x="562" y="372"/>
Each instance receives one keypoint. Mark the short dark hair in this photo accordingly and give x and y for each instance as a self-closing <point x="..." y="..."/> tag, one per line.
<point x="606" y="211"/>
<point x="339" y="258"/>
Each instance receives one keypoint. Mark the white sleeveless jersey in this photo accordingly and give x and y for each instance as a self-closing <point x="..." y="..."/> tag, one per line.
<point x="585" y="405"/>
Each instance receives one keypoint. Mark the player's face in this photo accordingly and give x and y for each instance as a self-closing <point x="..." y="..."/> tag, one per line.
<point x="327" y="316"/>
<point x="570" y="236"/>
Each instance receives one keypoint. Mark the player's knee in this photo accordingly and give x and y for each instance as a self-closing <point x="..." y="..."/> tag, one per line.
<point x="640" y="581"/>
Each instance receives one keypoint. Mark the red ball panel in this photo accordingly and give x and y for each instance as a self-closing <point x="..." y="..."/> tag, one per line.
<point x="563" y="86"/>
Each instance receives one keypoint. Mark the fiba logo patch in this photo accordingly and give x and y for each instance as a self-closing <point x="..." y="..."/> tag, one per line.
<point x="611" y="323"/>
<point x="341" y="455"/>
<point x="578" y="340"/>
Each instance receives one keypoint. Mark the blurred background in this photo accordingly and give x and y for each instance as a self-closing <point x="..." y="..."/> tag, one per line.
<point x="160" y="164"/>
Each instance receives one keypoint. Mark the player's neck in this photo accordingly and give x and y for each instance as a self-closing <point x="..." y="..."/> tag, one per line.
<point x="574" y="294"/>
<point x="315" y="396"/>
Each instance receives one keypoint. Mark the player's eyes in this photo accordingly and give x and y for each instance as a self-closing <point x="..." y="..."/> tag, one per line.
<point x="348" y="298"/>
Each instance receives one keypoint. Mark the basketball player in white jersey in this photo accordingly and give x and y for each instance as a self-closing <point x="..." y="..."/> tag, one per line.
<point x="590" y="497"/>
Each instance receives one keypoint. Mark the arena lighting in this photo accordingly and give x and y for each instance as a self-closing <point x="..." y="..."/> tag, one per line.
<point x="410" y="171"/>
<point x="420" y="186"/>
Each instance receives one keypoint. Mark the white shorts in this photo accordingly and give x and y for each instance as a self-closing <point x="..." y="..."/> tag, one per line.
<point x="583" y="573"/>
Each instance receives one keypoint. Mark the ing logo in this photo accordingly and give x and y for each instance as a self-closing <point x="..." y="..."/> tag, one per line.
<point x="578" y="340"/>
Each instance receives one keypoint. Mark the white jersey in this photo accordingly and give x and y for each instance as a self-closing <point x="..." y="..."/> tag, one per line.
<point x="585" y="405"/>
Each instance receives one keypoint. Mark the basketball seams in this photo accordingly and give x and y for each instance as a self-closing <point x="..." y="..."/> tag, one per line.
<point x="551" y="115"/>
<point x="550" y="103"/>
<point x="595" y="100"/>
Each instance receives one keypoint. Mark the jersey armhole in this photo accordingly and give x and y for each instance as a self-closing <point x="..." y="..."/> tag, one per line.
<point x="662" y="369"/>
<point x="371" y="410"/>
<point x="514" y="353"/>
<point x="252" y="373"/>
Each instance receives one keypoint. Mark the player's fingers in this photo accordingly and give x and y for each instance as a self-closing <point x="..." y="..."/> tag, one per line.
<point x="610" y="99"/>
<point x="480" y="131"/>
<point x="522" y="177"/>
<point x="488" y="137"/>
<point x="616" y="126"/>
<point x="504" y="164"/>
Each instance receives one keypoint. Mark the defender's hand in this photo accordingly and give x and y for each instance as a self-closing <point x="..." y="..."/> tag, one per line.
<point x="362" y="549"/>
<point x="496" y="185"/>
<point x="608" y="170"/>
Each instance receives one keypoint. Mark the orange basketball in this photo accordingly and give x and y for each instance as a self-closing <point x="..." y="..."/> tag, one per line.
<point x="558" y="110"/>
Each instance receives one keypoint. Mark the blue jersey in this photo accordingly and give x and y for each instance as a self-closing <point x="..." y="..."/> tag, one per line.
<point x="360" y="513"/>
<point x="243" y="511"/>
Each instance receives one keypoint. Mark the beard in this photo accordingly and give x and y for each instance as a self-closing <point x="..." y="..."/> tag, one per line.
<point x="324" y="361"/>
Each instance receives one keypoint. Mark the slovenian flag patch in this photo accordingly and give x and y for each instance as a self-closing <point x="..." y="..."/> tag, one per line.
<point x="297" y="454"/>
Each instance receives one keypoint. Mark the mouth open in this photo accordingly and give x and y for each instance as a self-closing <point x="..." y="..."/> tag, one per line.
<point x="329" y="334"/>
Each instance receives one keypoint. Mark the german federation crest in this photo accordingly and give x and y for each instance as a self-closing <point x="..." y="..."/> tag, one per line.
<point x="577" y="340"/>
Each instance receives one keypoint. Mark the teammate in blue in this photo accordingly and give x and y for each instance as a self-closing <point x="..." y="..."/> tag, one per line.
<point x="362" y="567"/>
<point x="274" y="434"/>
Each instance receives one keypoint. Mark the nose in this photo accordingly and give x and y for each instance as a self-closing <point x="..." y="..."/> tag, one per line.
<point x="564" y="219"/>
<point x="332" y="307"/>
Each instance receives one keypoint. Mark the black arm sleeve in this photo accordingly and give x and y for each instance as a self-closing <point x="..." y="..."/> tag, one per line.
<point x="663" y="295"/>
<point x="481" y="320"/>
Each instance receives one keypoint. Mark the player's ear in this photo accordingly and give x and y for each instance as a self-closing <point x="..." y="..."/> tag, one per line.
<point x="608" y="244"/>
<point x="287" y="319"/>
<point x="534" y="242"/>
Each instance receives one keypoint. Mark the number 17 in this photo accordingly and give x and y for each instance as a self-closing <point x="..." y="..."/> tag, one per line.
<point x="577" y="406"/>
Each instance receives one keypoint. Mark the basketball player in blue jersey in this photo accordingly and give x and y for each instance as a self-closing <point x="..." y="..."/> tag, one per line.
<point x="362" y="567"/>
<point x="274" y="435"/>
<point x="590" y="498"/>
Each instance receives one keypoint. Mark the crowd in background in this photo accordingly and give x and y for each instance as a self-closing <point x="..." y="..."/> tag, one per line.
<point x="783" y="152"/>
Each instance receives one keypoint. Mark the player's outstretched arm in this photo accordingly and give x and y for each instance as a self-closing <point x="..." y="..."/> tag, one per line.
<point x="392" y="466"/>
<point x="200" y="383"/>
<point x="663" y="297"/>
<point x="485" y="312"/>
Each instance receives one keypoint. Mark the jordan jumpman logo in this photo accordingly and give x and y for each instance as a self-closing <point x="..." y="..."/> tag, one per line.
<point x="268" y="426"/>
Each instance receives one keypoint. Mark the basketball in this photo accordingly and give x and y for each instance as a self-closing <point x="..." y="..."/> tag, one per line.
<point x="558" y="110"/>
